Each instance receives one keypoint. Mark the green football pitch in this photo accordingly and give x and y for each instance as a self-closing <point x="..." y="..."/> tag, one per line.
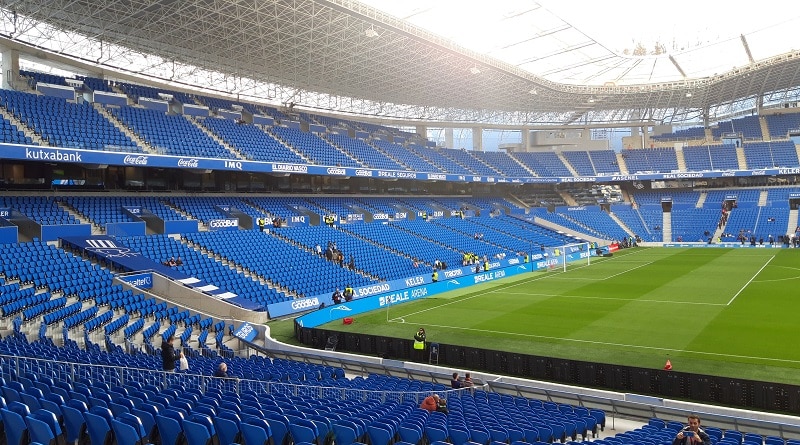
<point x="725" y="312"/>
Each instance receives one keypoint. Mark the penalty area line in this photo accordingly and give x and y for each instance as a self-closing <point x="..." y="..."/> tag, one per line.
<point x="751" y="279"/>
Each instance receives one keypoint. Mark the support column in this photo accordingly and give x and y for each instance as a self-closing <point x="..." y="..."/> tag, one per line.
<point x="477" y="139"/>
<point x="422" y="130"/>
<point x="448" y="138"/>
<point x="526" y="138"/>
<point x="10" y="67"/>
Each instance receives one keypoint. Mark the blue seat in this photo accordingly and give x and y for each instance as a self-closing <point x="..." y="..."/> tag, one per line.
<point x="457" y="436"/>
<point x="379" y="435"/>
<point x="125" y="434"/>
<point x="15" y="426"/>
<point x="98" y="428"/>
<point x="51" y="419"/>
<point x="39" y="431"/>
<point x="74" y="424"/>
<point x="434" y="434"/>
<point x="227" y="430"/>
<point x="169" y="429"/>
<point x="254" y="435"/>
<point x="196" y="433"/>
<point x="344" y="435"/>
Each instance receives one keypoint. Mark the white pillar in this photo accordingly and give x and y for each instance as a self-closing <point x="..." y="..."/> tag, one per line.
<point x="10" y="67"/>
<point x="422" y="130"/>
<point x="448" y="138"/>
<point x="477" y="139"/>
<point x="526" y="138"/>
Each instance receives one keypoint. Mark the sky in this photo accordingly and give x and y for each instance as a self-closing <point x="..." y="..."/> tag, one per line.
<point x="702" y="36"/>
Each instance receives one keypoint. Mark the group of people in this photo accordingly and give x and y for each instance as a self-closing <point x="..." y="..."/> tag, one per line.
<point x="631" y="241"/>
<point x="276" y="222"/>
<point x="172" y="262"/>
<point x="461" y="382"/>
<point x="332" y="253"/>
<point x="436" y="403"/>
<point x="172" y="358"/>
<point x="339" y="296"/>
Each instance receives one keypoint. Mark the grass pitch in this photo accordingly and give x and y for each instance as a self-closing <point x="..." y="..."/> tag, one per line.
<point x="725" y="312"/>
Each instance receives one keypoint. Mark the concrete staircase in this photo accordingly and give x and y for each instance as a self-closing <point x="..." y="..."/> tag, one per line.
<point x="621" y="224"/>
<point x="572" y="171"/>
<point x="792" y="224"/>
<point x="124" y="129"/>
<point x="22" y="126"/>
<point x="762" y="120"/>
<point x="681" y="160"/>
<point x="623" y="167"/>
<point x="740" y="158"/>
<point x="559" y="228"/>
<point x="762" y="198"/>
<point x="701" y="200"/>
<point x="666" y="227"/>
<point x="96" y="229"/>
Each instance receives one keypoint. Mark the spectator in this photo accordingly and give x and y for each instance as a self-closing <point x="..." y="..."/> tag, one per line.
<point x="337" y="296"/>
<point x="430" y="403"/>
<point x="352" y="263"/>
<point x="178" y="261"/>
<point x="318" y="249"/>
<point x="169" y="355"/>
<point x="455" y="383"/>
<point x="222" y="370"/>
<point x="467" y="383"/>
<point x="441" y="405"/>
<point x="692" y="434"/>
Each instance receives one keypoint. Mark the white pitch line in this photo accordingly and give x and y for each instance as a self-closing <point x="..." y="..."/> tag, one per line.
<point x="585" y="297"/>
<point x="629" y="270"/>
<point x="751" y="279"/>
<point x="518" y="283"/>
<point x="623" y="345"/>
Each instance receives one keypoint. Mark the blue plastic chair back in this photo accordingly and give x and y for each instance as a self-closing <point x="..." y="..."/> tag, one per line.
<point x="15" y="426"/>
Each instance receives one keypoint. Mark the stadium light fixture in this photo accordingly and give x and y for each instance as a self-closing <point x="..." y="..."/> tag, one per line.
<point x="688" y="94"/>
<point x="533" y="91"/>
<point x="475" y="70"/>
<point x="370" y="32"/>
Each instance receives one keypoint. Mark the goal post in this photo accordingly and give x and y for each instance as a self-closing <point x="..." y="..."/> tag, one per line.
<point x="559" y="256"/>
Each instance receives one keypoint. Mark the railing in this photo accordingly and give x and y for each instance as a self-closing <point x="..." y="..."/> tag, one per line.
<point x="12" y="367"/>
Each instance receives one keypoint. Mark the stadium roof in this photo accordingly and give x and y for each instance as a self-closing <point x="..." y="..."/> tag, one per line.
<point x="345" y="56"/>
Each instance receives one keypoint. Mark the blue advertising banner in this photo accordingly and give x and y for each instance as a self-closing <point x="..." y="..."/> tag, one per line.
<point x="47" y="154"/>
<point x="9" y="234"/>
<point x="383" y="300"/>
<point x="459" y="276"/>
<point x="224" y="224"/>
<point x="140" y="280"/>
<point x="246" y="332"/>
